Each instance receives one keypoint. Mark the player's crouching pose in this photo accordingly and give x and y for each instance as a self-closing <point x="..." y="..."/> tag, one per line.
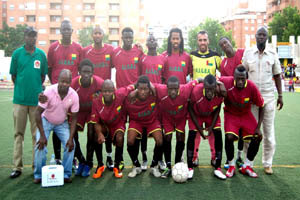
<point x="109" y="117"/>
<point x="142" y="111"/>
<point x="204" y="108"/>
<point x="241" y="93"/>
<point x="173" y="101"/>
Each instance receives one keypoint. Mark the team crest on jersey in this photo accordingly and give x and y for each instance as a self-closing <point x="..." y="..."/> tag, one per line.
<point x="208" y="63"/>
<point x="107" y="57"/>
<point x="118" y="109"/>
<point x="246" y="100"/>
<point x="159" y="67"/>
<point x="179" y="108"/>
<point x="37" y="64"/>
<point x="182" y="63"/>
<point x="136" y="60"/>
<point x="152" y="106"/>
<point x="73" y="56"/>
<point x="214" y="108"/>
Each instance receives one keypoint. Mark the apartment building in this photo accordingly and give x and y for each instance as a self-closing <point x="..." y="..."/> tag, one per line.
<point x="46" y="17"/>
<point x="274" y="6"/>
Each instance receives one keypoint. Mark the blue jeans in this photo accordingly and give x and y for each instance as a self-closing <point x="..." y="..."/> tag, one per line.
<point x="63" y="133"/>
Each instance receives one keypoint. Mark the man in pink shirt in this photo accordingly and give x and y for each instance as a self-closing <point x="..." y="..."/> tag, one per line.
<point x="52" y="116"/>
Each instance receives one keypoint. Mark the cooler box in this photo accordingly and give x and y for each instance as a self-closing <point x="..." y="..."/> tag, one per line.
<point x="52" y="175"/>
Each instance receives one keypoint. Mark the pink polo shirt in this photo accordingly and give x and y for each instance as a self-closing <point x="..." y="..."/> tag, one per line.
<point x="56" y="109"/>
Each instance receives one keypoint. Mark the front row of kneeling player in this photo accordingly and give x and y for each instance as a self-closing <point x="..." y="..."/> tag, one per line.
<point x="158" y="110"/>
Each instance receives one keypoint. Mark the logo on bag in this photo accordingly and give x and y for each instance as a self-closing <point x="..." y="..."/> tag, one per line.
<point x="37" y="64"/>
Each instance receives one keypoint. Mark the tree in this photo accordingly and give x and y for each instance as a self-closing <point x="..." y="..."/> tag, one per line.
<point x="163" y="47"/>
<point x="285" y="24"/>
<point x="11" y="38"/>
<point x="85" y="36"/>
<point x="214" y="29"/>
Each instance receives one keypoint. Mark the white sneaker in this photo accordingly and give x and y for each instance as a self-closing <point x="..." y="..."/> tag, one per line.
<point x="135" y="171"/>
<point x="190" y="174"/>
<point x="144" y="165"/>
<point x="155" y="172"/>
<point x="219" y="174"/>
<point x="162" y="165"/>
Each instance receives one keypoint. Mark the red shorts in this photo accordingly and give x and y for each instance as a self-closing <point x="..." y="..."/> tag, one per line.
<point x="171" y="126"/>
<point x="204" y="120"/>
<point x="138" y="127"/>
<point x="114" y="128"/>
<point x="233" y="123"/>
<point x="82" y="118"/>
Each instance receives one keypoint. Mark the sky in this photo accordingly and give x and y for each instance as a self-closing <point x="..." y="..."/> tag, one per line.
<point x="170" y="12"/>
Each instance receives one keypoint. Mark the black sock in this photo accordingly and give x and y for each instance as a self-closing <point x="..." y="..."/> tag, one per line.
<point x="253" y="149"/>
<point x="190" y="147"/>
<point x="78" y="154"/>
<point x="118" y="155"/>
<point x="179" y="151"/>
<point x="167" y="147"/>
<point x="132" y="153"/>
<point x="157" y="155"/>
<point x="98" y="151"/>
<point x="229" y="147"/>
<point x="218" y="147"/>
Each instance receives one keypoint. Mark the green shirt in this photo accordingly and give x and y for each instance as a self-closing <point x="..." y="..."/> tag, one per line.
<point x="28" y="69"/>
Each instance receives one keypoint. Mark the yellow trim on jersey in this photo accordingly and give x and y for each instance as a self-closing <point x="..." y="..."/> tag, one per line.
<point x="133" y="129"/>
<point x="217" y="127"/>
<point x="178" y="130"/>
<point x="157" y="129"/>
<point x="233" y="133"/>
<point x="169" y="133"/>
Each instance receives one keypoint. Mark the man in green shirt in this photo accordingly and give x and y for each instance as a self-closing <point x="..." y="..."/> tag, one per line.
<point x="28" y="69"/>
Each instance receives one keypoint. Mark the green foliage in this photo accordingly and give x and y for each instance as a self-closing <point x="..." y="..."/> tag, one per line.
<point x="285" y="24"/>
<point x="85" y="36"/>
<point x="163" y="47"/>
<point x="11" y="38"/>
<point x="215" y="31"/>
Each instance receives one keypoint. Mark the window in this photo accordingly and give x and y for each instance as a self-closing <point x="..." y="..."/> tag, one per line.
<point x="42" y="31"/>
<point x="21" y="6"/>
<point x="78" y="19"/>
<point x="113" y="18"/>
<point x="115" y="43"/>
<point x="4" y="14"/>
<point x="30" y="6"/>
<point x="4" y="5"/>
<point x="42" y="19"/>
<point x="55" y="18"/>
<point x="11" y="19"/>
<point x="89" y="18"/>
<point x="252" y="28"/>
<point x="30" y="18"/>
<point x="42" y="43"/>
<point x="67" y="7"/>
<point x="252" y="21"/>
<point x="246" y="20"/>
<point x="21" y="19"/>
<point x="11" y="6"/>
<point x="114" y="31"/>
<point x="246" y="28"/>
<point x="88" y="6"/>
<point x="55" y="6"/>
<point x="55" y="31"/>
<point x="66" y="18"/>
<point x="78" y="7"/>
<point x="259" y="21"/>
<point x="252" y="36"/>
<point x="42" y="6"/>
<point x="114" y="6"/>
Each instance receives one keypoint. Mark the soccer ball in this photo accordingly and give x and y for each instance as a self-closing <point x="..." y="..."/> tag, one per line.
<point x="180" y="172"/>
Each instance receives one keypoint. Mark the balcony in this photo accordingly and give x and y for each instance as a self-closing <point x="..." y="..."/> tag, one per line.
<point x="54" y="24"/>
<point x="55" y="12"/>
<point x="89" y="12"/>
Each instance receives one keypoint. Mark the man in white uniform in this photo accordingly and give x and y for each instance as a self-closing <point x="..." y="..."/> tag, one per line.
<point x="262" y="64"/>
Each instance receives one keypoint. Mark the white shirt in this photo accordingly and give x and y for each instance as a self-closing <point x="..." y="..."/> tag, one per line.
<point x="261" y="68"/>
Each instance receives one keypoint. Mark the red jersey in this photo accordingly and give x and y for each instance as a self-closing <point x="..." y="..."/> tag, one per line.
<point x="238" y="102"/>
<point x="174" y="109"/>
<point x="101" y="58"/>
<point x="110" y="114"/>
<point x="87" y="94"/>
<point x="152" y="66"/>
<point x="144" y="112"/>
<point x="179" y="65"/>
<point x="64" y="57"/>
<point x="228" y="65"/>
<point x="201" y="105"/>
<point x="126" y="64"/>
